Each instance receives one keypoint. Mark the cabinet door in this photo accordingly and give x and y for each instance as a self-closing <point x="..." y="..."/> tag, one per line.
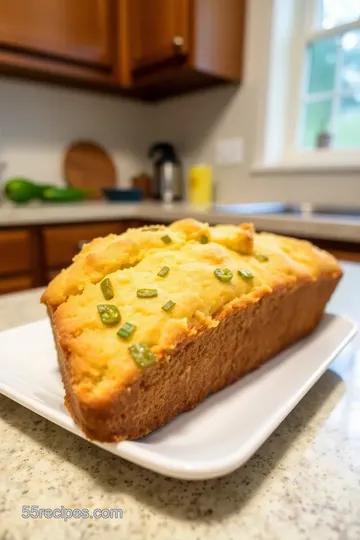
<point x="15" y="283"/>
<point x="63" y="242"/>
<point x="15" y="249"/>
<point x="160" y="31"/>
<point x="75" y="30"/>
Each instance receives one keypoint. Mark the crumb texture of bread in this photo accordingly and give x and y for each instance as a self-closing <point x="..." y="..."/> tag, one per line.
<point x="104" y="384"/>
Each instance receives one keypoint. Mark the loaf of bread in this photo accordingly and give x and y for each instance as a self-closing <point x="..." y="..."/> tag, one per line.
<point x="149" y="323"/>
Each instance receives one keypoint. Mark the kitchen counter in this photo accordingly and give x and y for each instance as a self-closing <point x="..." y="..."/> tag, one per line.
<point x="303" y="483"/>
<point x="306" y="224"/>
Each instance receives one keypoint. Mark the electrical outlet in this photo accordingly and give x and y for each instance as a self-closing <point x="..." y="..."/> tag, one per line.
<point x="229" y="151"/>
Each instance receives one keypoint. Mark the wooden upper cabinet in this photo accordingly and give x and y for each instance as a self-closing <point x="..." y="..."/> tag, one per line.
<point x="181" y="45"/>
<point x="77" y="31"/>
<point x="218" y="37"/>
<point x="143" y="48"/>
<point x="160" y="31"/>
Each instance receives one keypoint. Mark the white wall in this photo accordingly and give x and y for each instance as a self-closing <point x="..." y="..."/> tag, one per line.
<point x="38" y="121"/>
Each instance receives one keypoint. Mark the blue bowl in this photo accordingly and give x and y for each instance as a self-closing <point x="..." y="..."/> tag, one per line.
<point x="124" y="195"/>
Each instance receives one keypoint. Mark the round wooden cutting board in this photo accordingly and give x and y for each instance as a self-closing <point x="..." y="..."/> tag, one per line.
<point x="87" y="165"/>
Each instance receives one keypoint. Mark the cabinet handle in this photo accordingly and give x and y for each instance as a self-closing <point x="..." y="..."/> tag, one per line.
<point x="81" y="244"/>
<point x="178" y="42"/>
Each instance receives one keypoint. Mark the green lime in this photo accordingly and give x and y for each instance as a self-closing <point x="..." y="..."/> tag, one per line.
<point x="20" y="190"/>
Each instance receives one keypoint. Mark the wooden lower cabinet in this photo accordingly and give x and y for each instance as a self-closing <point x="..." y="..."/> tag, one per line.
<point x="32" y="257"/>
<point x="345" y="251"/>
<point x="342" y="255"/>
<point x="18" y="254"/>
<point x="15" y="252"/>
<point x="63" y="242"/>
<point x="15" y="283"/>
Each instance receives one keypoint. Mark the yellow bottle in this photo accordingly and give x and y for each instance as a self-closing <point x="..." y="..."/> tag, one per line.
<point x="201" y="185"/>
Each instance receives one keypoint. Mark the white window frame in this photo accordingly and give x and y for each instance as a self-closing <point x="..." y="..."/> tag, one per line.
<point x="291" y="157"/>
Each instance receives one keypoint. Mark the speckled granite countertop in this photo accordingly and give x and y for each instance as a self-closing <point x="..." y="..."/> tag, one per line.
<point x="305" y="223"/>
<point x="304" y="483"/>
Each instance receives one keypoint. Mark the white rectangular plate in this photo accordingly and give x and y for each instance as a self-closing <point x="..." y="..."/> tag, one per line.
<point x="213" y="439"/>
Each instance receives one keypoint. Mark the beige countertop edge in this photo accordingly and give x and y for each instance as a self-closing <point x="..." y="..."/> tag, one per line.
<point x="307" y="224"/>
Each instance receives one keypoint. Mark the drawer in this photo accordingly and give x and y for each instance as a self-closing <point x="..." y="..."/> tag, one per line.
<point x="15" y="249"/>
<point x="16" y="283"/>
<point x="345" y="255"/>
<point x="61" y="243"/>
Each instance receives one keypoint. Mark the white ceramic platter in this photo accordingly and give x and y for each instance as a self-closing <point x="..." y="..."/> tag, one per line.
<point x="213" y="439"/>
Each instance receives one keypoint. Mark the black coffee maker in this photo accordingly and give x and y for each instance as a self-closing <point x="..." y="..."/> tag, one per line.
<point x="167" y="180"/>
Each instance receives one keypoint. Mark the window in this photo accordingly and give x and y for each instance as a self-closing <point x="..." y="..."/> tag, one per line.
<point x="309" y="112"/>
<point x="329" y="115"/>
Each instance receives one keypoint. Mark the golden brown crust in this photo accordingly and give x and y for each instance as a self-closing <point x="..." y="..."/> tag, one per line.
<point x="203" y="363"/>
<point x="103" y="256"/>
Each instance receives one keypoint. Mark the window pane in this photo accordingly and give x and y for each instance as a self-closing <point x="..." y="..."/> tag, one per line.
<point x="335" y="12"/>
<point x="322" y="65"/>
<point x="350" y="75"/>
<point x="317" y="120"/>
<point x="348" y="122"/>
